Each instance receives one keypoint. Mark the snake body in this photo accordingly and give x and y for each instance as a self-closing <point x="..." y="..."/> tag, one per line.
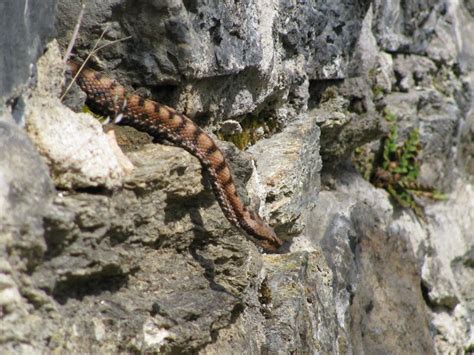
<point x="107" y="97"/>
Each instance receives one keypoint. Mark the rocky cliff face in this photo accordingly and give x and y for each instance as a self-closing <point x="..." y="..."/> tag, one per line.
<point x="105" y="252"/>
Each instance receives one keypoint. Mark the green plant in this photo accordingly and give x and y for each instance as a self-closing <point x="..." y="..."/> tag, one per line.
<point x="398" y="168"/>
<point x="378" y="91"/>
<point x="250" y="135"/>
<point x="103" y="120"/>
<point x="363" y="158"/>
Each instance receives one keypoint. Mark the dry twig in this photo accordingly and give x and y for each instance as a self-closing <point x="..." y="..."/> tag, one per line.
<point x="94" y="50"/>
<point x="74" y="34"/>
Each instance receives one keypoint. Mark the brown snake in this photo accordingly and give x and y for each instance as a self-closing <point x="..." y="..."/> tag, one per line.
<point x="108" y="97"/>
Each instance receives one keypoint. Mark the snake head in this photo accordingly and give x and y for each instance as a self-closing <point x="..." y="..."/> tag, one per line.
<point x="73" y="66"/>
<point x="262" y="234"/>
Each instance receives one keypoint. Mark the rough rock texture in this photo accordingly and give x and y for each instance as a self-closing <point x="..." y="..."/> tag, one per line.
<point x="77" y="151"/>
<point x="248" y="56"/>
<point x="26" y="190"/>
<point x="143" y="260"/>
<point x="25" y="194"/>
<point x="26" y="26"/>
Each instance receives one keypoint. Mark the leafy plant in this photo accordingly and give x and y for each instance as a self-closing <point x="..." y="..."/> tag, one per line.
<point x="398" y="168"/>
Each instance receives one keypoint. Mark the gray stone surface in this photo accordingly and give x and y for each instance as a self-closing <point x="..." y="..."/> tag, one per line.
<point x="149" y="263"/>
<point x="242" y="52"/>
<point x="77" y="151"/>
<point x="161" y="257"/>
<point x="388" y="305"/>
<point x="288" y="167"/>
<point x="26" y="26"/>
<point x="26" y="190"/>
<point x="407" y="27"/>
<point x="26" y="193"/>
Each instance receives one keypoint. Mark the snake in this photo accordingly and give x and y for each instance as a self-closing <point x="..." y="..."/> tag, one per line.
<point x="107" y="97"/>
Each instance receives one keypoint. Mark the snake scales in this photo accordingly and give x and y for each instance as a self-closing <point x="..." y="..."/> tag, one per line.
<point x="108" y="97"/>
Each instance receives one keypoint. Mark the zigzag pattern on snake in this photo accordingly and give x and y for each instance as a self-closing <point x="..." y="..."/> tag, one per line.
<point x="108" y="97"/>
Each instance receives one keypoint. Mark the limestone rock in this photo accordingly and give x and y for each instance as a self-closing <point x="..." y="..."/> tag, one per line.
<point x="26" y="28"/>
<point x="146" y="261"/>
<point x="77" y="151"/>
<point x="26" y="193"/>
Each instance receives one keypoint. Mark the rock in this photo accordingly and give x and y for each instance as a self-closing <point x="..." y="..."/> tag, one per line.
<point x="26" y="190"/>
<point x="376" y="283"/>
<point x="447" y="270"/>
<point x="145" y="261"/>
<point x="231" y="127"/>
<point x="388" y="306"/>
<point x="25" y="197"/>
<point x="26" y="28"/>
<point x="164" y="295"/>
<point x="77" y="151"/>
<point x="133" y="243"/>
<point x="466" y="134"/>
<point x="286" y="177"/>
<point x="253" y="42"/>
<point x="462" y="268"/>
<point x="408" y="27"/>
<point x="23" y="200"/>
<point x="325" y="33"/>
